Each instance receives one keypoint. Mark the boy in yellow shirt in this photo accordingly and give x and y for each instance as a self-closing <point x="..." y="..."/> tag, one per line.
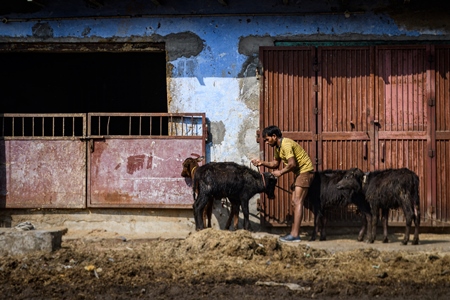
<point x="295" y="160"/>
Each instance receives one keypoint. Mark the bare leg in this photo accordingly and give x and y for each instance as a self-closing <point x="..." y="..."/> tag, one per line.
<point x="298" y="197"/>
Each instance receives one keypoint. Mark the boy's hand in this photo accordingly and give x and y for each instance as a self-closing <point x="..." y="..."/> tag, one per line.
<point x="256" y="162"/>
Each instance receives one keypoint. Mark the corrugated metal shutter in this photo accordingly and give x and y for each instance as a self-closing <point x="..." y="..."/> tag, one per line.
<point x="374" y="109"/>
<point x="345" y="100"/>
<point x="288" y="101"/>
<point x="401" y="114"/>
<point x="442" y="77"/>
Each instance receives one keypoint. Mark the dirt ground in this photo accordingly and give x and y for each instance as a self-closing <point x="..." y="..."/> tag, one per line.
<point x="229" y="265"/>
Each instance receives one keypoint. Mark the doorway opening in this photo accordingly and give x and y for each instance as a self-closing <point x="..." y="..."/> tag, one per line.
<point x="82" y="82"/>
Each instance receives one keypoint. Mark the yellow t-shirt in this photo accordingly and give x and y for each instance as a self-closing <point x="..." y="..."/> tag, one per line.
<point x="289" y="148"/>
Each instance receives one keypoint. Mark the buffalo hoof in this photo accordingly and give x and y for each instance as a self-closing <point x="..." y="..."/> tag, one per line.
<point x="385" y="240"/>
<point x="323" y="238"/>
<point x="360" y="238"/>
<point x="415" y="242"/>
<point x="405" y="242"/>
<point x="312" y="239"/>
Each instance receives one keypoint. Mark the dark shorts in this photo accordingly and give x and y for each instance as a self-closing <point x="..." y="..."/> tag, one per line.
<point x="303" y="180"/>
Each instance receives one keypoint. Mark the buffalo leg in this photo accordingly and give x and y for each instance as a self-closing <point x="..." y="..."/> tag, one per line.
<point x="317" y="217"/>
<point x="384" y="220"/>
<point x="207" y="214"/>
<point x="233" y="216"/>
<point x="408" y="212"/>
<point x="245" y="211"/>
<point x="199" y="208"/>
<point x="366" y="220"/>
<point x="373" y="233"/>
<point x="323" y="224"/>
<point x="416" y="225"/>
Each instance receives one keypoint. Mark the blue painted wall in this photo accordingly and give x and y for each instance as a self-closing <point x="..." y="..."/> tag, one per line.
<point x="212" y="58"/>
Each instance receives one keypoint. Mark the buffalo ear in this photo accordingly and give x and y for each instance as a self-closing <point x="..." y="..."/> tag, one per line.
<point x="360" y="173"/>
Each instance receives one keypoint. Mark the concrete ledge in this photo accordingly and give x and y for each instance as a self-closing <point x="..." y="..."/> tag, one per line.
<point x="18" y="242"/>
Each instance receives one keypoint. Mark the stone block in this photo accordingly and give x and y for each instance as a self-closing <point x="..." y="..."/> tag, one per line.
<point x="18" y="242"/>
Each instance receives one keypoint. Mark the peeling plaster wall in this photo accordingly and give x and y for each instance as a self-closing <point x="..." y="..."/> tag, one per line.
<point x="212" y="59"/>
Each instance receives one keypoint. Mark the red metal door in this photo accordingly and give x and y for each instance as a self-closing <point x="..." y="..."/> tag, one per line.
<point x="287" y="100"/>
<point x="441" y="208"/>
<point x="402" y="136"/>
<point x="345" y="101"/>
<point x="375" y="109"/>
<point x="135" y="159"/>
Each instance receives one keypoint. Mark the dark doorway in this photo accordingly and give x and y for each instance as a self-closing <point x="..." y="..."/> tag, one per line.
<point x="46" y="82"/>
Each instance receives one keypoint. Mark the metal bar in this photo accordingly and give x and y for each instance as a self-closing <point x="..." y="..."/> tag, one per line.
<point x="151" y="119"/>
<point x="140" y="125"/>
<point x="107" y="126"/>
<point x="129" y="125"/>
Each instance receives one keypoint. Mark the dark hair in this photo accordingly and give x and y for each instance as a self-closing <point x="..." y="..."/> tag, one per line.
<point x="271" y="130"/>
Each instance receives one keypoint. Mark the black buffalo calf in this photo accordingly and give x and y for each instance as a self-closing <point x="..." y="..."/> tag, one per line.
<point x="385" y="190"/>
<point x="190" y="165"/>
<point x="324" y="195"/>
<point x="229" y="180"/>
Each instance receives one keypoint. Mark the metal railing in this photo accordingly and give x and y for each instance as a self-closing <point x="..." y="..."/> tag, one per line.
<point x="42" y="126"/>
<point x="146" y="125"/>
<point x="123" y="125"/>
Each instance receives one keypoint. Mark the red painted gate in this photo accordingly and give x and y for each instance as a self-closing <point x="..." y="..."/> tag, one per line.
<point x="43" y="161"/>
<point x="98" y="160"/>
<point x="127" y="168"/>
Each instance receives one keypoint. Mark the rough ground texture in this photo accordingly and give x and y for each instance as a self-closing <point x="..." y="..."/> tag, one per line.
<point x="228" y="265"/>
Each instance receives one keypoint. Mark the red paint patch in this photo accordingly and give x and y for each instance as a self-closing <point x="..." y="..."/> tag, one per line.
<point x="135" y="163"/>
